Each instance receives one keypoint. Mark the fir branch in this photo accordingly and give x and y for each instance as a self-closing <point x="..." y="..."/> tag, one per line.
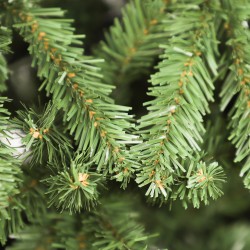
<point x="10" y="181"/>
<point x="216" y="136"/>
<point x="24" y="205"/>
<point x="3" y="73"/>
<point x="237" y="81"/>
<point x="74" y="187"/>
<point x="5" y="40"/>
<point x="56" y="231"/>
<point x="21" y="198"/>
<point x="4" y="114"/>
<point x="10" y="176"/>
<point x="99" y="126"/>
<point x="114" y="226"/>
<point x="132" y="44"/>
<point x="201" y="183"/>
<point x="174" y="128"/>
<point x="43" y="138"/>
<point x="205" y="183"/>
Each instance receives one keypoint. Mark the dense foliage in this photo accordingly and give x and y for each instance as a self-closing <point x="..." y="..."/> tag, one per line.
<point x="61" y="160"/>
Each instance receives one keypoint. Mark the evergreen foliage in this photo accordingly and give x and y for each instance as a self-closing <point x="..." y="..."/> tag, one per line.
<point x="10" y="176"/>
<point x="173" y="128"/>
<point x="132" y="44"/>
<point x="55" y="189"/>
<point x="75" y="187"/>
<point x="43" y="138"/>
<point x="4" y="42"/>
<point x="101" y="229"/>
<point x="237" y="81"/>
<point x="78" y="90"/>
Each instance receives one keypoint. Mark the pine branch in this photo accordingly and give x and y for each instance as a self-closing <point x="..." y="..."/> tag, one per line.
<point x="42" y="137"/>
<point x="99" y="126"/>
<point x="215" y="137"/>
<point x="174" y="128"/>
<point x="132" y="44"/>
<point x="237" y="81"/>
<point x="5" y="39"/>
<point x="56" y="231"/>
<point x="4" y="47"/>
<point x="10" y="173"/>
<point x="71" y="185"/>
<point x="205" y="183"/>
<point x="24" y="206"/>
<point x="18" y="193"/>
<point x="236" y="230"/>
<point x="115" y="227"/>
<point x="21" y="198"/>
<point x="74" y="187"/>
<point x="10" y="177"/>
<point x="106" y="228"/>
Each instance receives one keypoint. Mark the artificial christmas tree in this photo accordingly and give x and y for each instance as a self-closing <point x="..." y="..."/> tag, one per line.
<point x="61" y="159"/>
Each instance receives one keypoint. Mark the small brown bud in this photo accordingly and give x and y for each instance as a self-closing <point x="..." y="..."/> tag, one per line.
<point x="71" y="75"/>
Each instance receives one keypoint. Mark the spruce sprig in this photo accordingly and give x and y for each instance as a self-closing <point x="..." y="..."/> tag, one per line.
<point x="236" y="88"/>
<point x="112" y="226"/>
<point x="74" y="187"/>
<point x="5" y="41"/>
<point x="173" y="128"/>
<point x="20" y="194"/>
<point x="132" y="44"/>
<point x="42" y="137"/>
<point x="10" y="175"/>
<point x="100" y="128"/>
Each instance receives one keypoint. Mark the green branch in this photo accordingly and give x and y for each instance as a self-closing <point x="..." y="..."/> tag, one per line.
<point x="43" y="138"/>
<point x="99" y="126"/>
<point x="132" y="44"/>
<point x="21" y="198"/>
<point x="113" y="226"/>
<point x="75" y="186"/>
<point x="10" y="175"/>
<point x="174" y="128"/>
<point x="237" y="82"/>
<point x="5" y="40"/>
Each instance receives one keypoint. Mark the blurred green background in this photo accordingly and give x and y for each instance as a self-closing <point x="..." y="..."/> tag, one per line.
<point x="224" y="224"/>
